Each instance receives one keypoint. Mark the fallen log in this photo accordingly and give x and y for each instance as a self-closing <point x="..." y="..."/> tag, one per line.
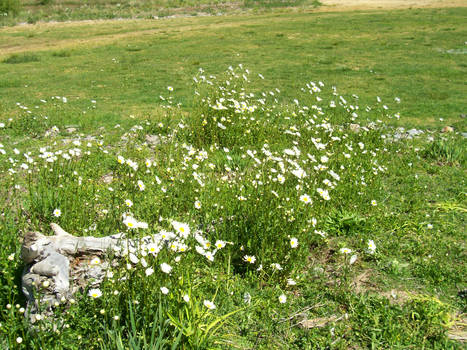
<point x="58" y="266"/>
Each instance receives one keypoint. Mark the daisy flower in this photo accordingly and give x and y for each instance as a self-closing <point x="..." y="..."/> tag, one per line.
<point x="181" y="228"/>
<point x="249" y="258"/>
<point x="209" y="304"/>
<point x="141" y="185"/>
<point x="281" y="178"/>
<point x="305" y="199"/>
<point x="300" y="173"/>
<point x="294" y="242"/>
<point x="323" y="193"/>
<point x="166" y="268"/>
<point x="130" y="222"/>
<point x="345" y="250"/>
<point x="219" y="244"/>
<point x="95" y="293"/>
<point x="276" y="266"/>
<point x="371" y="246"/>
<point x="57" y="213"/>
<point x="282" y="299"/>
<point x="95" y="261"/>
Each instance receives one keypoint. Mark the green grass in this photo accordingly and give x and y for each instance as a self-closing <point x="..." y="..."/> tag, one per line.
<point x="104" y="89"/>
<point x="21" y="58"/>
<point x="127" y="65"/>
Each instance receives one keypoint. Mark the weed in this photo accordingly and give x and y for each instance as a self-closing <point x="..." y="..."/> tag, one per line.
<point x="22" y="58"/>
<point x="10" y="7"/>
<point x="450" y="151"/>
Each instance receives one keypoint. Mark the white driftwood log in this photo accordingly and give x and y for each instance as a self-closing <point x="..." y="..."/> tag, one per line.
<point x="57" y="266"/>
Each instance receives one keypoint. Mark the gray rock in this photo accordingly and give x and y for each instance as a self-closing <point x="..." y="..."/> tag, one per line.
<point x="107" y="179"/>
<point x="153" y="140"/>
<point x="414" y="132"/>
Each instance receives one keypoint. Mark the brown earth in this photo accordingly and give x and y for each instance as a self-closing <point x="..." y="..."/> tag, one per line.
<point x="352" y="5"/>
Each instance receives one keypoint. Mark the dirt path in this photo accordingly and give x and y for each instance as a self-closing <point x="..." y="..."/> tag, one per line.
<point x="352" y="5"/>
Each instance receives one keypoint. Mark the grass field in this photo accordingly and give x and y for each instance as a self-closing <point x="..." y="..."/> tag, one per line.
<point x="423" y="58"/>
<point x="276" y="138"/>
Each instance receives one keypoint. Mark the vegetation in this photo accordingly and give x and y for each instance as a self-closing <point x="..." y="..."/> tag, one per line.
<point x="32" y="11"/>
<point x="135" y="60"/>
<point x="293" y="208"/>
<point x="9" y="7"/>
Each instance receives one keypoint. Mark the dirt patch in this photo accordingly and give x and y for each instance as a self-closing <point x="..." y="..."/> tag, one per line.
<point x="319" y="322"/>
<point x="352" y="5"/>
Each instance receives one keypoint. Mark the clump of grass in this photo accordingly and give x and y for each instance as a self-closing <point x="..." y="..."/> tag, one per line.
<point x="62" y="53"/>
<point x="10" y="7"/>
<point x="273" y="3"/>
<point x="422" y="319"/>
<point x="22" y="58"/>
<point x="448" y="151"/>
<point x="343" y="222"/>
<point x="45" y="2"/>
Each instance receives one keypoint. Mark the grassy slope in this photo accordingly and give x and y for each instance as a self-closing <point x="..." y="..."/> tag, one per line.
<point x="129" y="63"/>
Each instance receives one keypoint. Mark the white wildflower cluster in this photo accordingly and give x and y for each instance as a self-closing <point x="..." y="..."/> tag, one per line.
<point x="234" y="171"/>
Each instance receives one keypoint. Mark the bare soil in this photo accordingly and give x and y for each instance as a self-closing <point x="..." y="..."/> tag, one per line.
<point x="352" y="5"/>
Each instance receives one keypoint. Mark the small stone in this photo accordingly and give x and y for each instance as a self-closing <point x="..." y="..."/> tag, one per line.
<point x="414" y="132"/>
<point x="107" y="178"/>
<point x="70" y="130"/>
<point x="153" y="140"/>
<point x="355" y="128"/>
<point x="52" y="132"/>
<point x="447" y="129"/>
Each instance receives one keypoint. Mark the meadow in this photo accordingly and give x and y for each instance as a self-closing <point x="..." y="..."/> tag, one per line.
<point x="293" y="167"/>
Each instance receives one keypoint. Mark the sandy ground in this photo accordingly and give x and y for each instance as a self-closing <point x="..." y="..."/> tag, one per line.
<point x="349" y="5"/>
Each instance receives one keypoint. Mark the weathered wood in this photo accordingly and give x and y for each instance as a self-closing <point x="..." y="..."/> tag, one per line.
<point x="57" y="266"/>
